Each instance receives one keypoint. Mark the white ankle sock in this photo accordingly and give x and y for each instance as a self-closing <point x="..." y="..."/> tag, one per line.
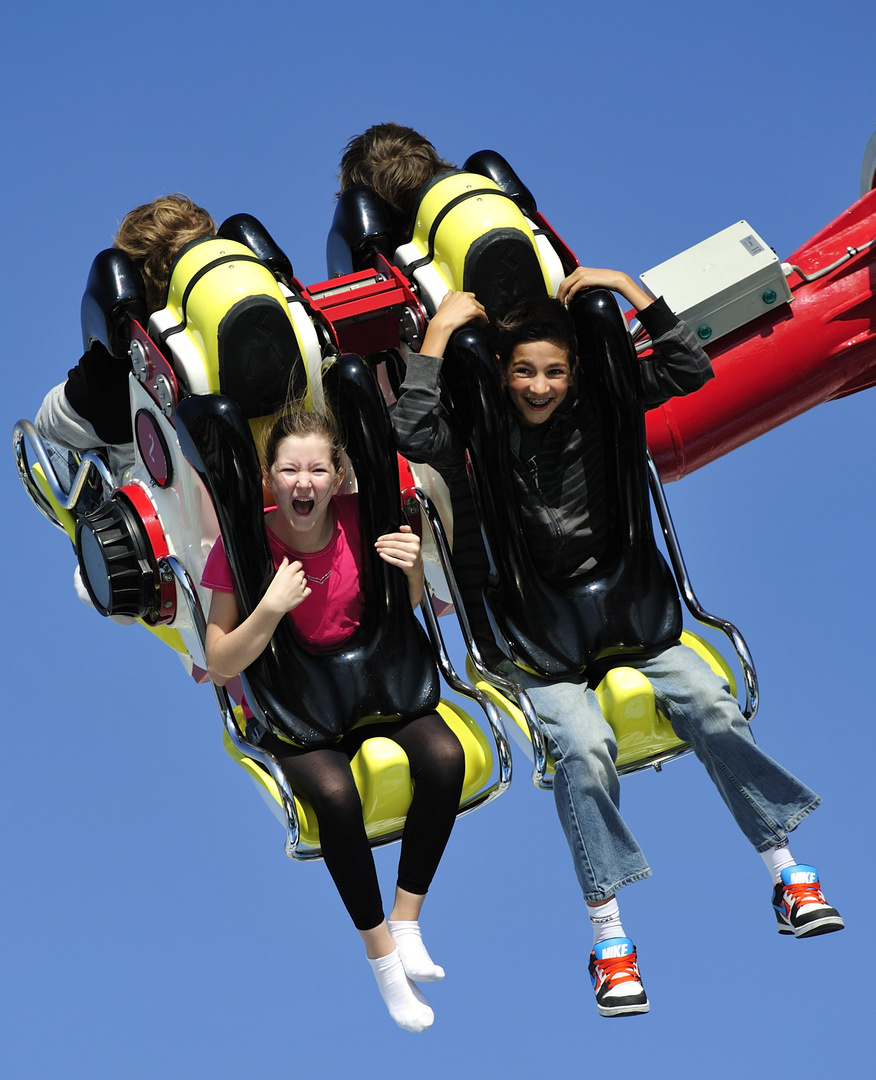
<point x="417" y="962"/>
<point x="606" y="921"/>
<point x="405" y="1003"/>
<point x="777" y="859"/>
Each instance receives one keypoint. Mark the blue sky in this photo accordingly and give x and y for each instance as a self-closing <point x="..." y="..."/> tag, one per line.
<point x="150" y="923"/>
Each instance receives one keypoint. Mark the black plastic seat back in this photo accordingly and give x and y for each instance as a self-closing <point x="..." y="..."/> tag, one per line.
<point x="362" y="226"/>
<point x="490" y="163"/>
<point x="114" y="295"/>
<point x="248" y="230"/>
<point x="630" y="601"/>
<point x="387" y="666"/>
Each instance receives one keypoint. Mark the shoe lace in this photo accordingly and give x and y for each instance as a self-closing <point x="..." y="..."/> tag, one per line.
<point x="804" y="892"/>
<point x="619" y="969"/>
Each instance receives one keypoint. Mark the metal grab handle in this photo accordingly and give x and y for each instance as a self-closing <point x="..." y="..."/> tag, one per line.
<point x="740" y="647"/>
<point x="462" y="686"/>
<point x="511" y="689"/>
<point x="436" y="636"/>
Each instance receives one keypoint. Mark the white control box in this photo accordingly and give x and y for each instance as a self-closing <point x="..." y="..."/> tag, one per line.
<point x="721" y="283"/>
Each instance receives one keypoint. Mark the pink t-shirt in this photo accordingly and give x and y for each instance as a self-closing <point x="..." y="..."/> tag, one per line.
<point x="334" y="608"/>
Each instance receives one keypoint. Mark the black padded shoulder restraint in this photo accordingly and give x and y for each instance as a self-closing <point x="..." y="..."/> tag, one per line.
<point x="387" y="667"/>
<point x="248" y="230"/>
<point x="362" y="226"/>
<point x="114" y="295"/>
<point x="630" y="600"/>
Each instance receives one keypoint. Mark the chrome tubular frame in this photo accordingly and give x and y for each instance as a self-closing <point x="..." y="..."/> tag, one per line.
<point x="746" y="662"/>
<point x="461" y="686"/>
<point x="25" y="432"/>
<point x="246" y="749"/>
<point x="539" y="772"/>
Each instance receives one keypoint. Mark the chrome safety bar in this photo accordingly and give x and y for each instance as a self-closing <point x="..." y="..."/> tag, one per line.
<point x="682" y="577"/>
<point x="24" y="432"/>
<point x="462" y="686"/>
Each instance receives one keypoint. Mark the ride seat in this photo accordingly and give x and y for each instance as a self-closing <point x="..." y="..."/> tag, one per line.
<point x="629" y="600"/>
<point x="382" y="775"/>
<point x="314" y="699"/>
<point x="645" y="738"/>
<point x="476" y="230"/>
<point x="386" y="668"/>
<point x="227" y="328"/>
<point x="470" y="235"/>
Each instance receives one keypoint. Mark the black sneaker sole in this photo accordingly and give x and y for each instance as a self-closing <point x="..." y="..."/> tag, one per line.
<point x="623" y="1010"/>
<point x="628" y="1006"/>
<point x="827" y="924"/>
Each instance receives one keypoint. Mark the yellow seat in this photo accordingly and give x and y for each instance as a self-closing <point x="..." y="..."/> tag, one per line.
<point x="470" y="235"/>
<point x="382" y="775"/>
<point x="645" y="737"/>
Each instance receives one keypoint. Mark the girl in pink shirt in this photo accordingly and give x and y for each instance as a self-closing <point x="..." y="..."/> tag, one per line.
<point x="314" y="539"/>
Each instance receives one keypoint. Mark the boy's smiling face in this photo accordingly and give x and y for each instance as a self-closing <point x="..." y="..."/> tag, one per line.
<point x="538" y="377"/>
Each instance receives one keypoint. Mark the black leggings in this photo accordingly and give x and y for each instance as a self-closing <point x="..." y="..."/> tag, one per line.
<point x="324" y="778"/>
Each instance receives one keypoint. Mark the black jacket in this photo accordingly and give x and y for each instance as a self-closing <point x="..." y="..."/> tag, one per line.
<point x="558" y="466"/>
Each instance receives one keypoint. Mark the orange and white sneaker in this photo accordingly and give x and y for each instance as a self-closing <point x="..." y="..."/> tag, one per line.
<point x="800" y="906"/>
<point x="614" y="973"/>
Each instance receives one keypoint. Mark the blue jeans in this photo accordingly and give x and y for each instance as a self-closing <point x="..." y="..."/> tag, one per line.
<point x="766" y="801"/>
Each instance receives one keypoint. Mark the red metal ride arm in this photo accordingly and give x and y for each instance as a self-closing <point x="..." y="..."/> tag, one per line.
<point x="819" y="348"/>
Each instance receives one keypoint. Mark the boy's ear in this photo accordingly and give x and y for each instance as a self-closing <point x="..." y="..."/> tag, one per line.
<point x="266" y="477"/>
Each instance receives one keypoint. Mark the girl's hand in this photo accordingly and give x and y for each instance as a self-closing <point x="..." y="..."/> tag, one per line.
<point x="288" y="588"/>
<point x="457" y="309"/>
<point x="401" y="549"/>
<point x="233" y="645"/>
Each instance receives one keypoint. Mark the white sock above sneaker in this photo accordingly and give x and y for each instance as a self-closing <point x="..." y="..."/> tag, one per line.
<point x="405" y="1003"/>
<point x="778" y="858"/>
<point x="606" y="920"/>
<point x="417" y="962"/>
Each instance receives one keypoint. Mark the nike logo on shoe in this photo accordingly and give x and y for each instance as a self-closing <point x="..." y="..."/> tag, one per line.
<point x="804" y="878"/>
<point x="613" y="951"/>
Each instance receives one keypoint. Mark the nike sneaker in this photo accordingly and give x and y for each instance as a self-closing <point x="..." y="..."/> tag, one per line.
<point x="800" y="906"/>
<point x="614" y="973"/>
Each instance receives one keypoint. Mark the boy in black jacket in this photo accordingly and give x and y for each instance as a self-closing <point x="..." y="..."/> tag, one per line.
<point x="558" y="467"/>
